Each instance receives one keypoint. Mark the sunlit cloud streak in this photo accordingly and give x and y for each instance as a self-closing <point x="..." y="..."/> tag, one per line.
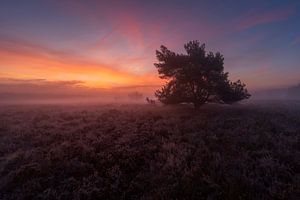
<point x="254" y="19"/>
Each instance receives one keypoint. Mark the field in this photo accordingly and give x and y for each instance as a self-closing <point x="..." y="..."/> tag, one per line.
<point x="150" y="152"/>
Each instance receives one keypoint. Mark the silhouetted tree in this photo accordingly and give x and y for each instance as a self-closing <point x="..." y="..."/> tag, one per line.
<point x="150" y="101"/>
<point x="195" y="77"/>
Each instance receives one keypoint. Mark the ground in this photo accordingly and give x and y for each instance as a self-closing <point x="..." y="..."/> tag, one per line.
<point x="150" y="152"/>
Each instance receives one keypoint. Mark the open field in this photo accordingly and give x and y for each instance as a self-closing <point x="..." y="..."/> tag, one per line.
<point x="150" y="152"/>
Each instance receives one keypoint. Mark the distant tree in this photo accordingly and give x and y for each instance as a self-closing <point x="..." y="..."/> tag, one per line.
<point x="196" y="77"/>
<point x="135" y="96"/>
<point x="150" y="101"/>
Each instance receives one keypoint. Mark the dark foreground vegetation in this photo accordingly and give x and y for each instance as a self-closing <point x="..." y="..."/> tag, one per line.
<point x="148" y="152"/>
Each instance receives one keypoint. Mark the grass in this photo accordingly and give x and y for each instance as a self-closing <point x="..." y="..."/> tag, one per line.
<point x="148" y="152"/>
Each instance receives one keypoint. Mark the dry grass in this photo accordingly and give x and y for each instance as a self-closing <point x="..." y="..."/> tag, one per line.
<point x="146" y="152"/>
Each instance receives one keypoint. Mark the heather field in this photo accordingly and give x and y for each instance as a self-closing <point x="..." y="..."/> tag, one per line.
<point x="246" y="151"/>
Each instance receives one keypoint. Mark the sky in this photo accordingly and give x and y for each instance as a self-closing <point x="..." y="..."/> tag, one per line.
<point x="111" y="44"/>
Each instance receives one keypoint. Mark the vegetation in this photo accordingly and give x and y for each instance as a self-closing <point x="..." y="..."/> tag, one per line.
<point x="197" y="77"/>
<point x="149" y="152"/>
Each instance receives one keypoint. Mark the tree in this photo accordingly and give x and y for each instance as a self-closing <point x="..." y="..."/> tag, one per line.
<point x="195" y="77"/>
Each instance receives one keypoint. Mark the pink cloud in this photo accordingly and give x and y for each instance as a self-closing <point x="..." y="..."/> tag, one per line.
<point x="255" y="19"/>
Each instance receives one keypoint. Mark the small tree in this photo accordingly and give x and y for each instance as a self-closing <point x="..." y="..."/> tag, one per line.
<point x="195" y="77"/>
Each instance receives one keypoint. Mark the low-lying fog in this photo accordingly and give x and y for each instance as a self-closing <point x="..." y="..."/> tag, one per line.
<point x="45" y="92"/>
<point x="70" y="92"/>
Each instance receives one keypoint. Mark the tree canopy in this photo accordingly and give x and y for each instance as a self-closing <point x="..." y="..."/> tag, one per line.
<point x="196" y="77"/>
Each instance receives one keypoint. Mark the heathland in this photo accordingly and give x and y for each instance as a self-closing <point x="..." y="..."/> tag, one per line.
<point x="245" y="151"/>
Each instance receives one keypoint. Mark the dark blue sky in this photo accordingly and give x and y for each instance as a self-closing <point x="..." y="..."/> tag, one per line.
<point x="112" y="43"/>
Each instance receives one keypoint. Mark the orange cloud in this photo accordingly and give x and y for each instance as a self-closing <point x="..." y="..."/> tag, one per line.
<point x="37" y="62"/>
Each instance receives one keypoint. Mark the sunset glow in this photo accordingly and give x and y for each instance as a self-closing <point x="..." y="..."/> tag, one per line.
<point x="32" y="66"/>
<point x="108" y="45"/>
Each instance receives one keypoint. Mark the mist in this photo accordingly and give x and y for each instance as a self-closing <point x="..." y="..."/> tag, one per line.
<point x="284" y="93"/>
<point x="39" y="91"/>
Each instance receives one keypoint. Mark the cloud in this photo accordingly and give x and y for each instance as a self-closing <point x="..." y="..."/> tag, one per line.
<point x="254" y="19"/>
<point x="12" y="89"/>
<point x="39" y="86"/>
<point x="25" y="47"/>
<point x="114" y="43"/>
<point x="25" y="60"/>
<point x="22" y="91"/>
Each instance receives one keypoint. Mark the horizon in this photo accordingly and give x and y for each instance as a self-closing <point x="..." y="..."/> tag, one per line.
<point x="94" y="45"/>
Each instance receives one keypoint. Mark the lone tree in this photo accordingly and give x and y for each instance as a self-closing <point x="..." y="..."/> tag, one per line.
<point x="196" y="77"/>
